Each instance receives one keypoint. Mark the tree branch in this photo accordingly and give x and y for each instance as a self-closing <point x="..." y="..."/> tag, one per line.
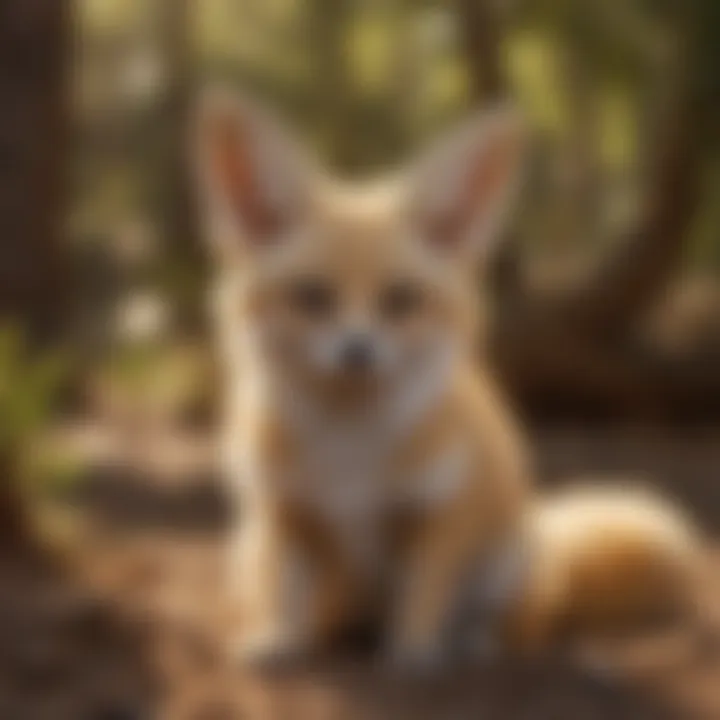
<point x="629" y="282"/>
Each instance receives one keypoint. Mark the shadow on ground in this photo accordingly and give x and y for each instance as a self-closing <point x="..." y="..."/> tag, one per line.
<point x="126" y="498"/>
<point x="65" y="653"/>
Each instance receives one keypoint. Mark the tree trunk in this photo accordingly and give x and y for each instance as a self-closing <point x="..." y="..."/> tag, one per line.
<point x="334" y="104"/>
<point x="481" y="34"/>
<point x="481" y="31"/>
<point x="582" y="186"/>
<point x="175" y="26"/>
<point x="33" y="56"/>
<point x="179" y="227"/>
<point x="33" y="60"/>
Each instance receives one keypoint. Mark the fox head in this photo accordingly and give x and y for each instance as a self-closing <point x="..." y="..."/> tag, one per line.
<point x="346" y="284"/>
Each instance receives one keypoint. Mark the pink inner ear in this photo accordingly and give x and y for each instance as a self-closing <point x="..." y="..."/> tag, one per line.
<point x="488" y="172"/>
<point x="235" y="168"/>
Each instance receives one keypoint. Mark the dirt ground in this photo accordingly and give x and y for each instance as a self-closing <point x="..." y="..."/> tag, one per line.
<point x="129" y="623"/>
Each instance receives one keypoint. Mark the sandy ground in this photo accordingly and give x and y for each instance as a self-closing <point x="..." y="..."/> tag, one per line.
<point x="130" y="624"/>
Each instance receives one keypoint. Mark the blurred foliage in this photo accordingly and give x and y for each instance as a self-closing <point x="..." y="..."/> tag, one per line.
<point x="368" y="82"/>
<point x="28" y="388"/>
<point x="147" y="382"/>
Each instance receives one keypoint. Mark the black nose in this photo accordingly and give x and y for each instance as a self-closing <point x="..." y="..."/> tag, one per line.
<point x="357" y="354"/>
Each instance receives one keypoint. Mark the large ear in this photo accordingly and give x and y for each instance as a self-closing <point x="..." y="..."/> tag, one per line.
<point x="253" y="179"/>
<point x="462" y="191"/>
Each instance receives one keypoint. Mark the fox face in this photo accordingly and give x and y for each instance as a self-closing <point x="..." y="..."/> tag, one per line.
<point x="352" y="286"/>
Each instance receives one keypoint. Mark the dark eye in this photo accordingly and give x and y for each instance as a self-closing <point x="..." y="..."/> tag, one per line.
<point x="313" y="297"/>
<point x="401" y="299"/>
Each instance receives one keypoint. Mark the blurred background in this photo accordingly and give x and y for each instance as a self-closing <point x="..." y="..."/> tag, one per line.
<point x="606" y="303"/>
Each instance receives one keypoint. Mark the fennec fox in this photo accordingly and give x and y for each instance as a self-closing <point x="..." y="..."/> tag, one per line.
<point x="348" y="322"/>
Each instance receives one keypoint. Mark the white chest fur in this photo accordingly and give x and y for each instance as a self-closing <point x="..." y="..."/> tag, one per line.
<point x="342" y="473"/>
<point x="343" y="466"/>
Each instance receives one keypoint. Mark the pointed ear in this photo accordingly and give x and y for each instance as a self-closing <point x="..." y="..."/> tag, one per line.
<point x="253" y="179"/>
<point x="463" y="190"/>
